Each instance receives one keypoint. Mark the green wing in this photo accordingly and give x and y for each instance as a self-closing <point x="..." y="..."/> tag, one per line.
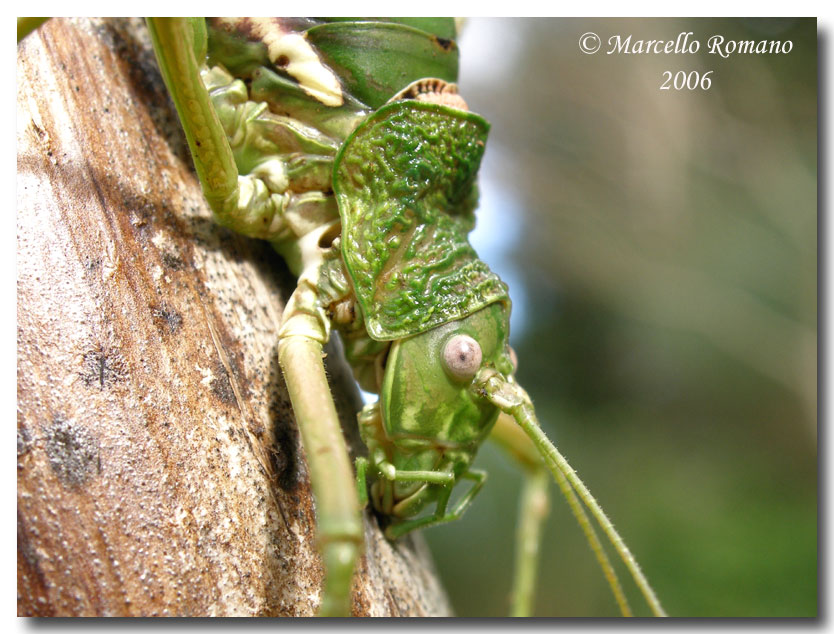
<point x="405" y="185"/>
<point x="373" y="58"/>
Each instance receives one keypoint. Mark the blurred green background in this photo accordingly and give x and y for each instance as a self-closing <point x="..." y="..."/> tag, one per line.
<point x="661" y="248"/>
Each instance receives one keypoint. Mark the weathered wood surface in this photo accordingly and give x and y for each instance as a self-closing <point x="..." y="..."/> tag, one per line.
<point x="159" y="466"/>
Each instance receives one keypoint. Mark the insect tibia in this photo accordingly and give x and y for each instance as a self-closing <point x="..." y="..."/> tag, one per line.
<point x="340" y="530"/>
<point x="339" y="562"/>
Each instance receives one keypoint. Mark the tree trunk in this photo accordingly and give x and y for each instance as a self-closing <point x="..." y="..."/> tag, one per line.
<point x="160" y="471"/>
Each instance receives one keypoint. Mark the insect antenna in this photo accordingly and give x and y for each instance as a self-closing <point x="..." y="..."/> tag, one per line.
<point x="594" y="542"/>
<point x="511" y="399"/>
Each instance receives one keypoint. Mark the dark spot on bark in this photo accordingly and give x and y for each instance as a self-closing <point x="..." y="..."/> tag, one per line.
<point x="91" y="265"/>
<point x="283" y="454"/>
<point x="73" y="452"/>
<point x="38" y="130"/>
<point x="221" y="385"/>
<point x="24" y="440"/>
<point x="24" y="547"/>
<point x="144" y="213"/>
<point x="283" y="459"/>
<point x="166" y="318"/>
<point x="102" y="368"/>
<point x="172" y="261"/>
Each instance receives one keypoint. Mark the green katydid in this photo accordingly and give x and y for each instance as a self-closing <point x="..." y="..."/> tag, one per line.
<point x="345" y="144"/>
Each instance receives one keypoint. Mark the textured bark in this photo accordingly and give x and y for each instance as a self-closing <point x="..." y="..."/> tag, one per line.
<point x="160" y="471"/>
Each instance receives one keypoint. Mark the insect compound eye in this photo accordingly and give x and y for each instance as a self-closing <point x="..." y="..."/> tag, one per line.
<point x="462" y="356"/>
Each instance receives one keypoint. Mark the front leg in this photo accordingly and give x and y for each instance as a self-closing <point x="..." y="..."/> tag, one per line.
<point x="245" y="204"/>
<point x="337" y="506"/>
<point x="439" y="485"/>
<point x="440" y="516"/>
<point x="340" y="532"/>
<point x="438" y="481"/>
<point x="180" y="46"/>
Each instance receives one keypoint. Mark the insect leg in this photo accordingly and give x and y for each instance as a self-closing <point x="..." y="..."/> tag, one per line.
<point x="337" y="504"/>
<point x="440" y="516"/>
<point x="532" y="511"/>
<point x="180" y="47"/>
<point x="303" y="332"/>
<point x="247" y="205"/>
<point x="243" y="203"/>
<point x="26" y="25"/>
<point x="361" y="465"/>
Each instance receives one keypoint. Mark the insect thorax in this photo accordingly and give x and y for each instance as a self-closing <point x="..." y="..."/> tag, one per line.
<point x="306" y="105"/>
